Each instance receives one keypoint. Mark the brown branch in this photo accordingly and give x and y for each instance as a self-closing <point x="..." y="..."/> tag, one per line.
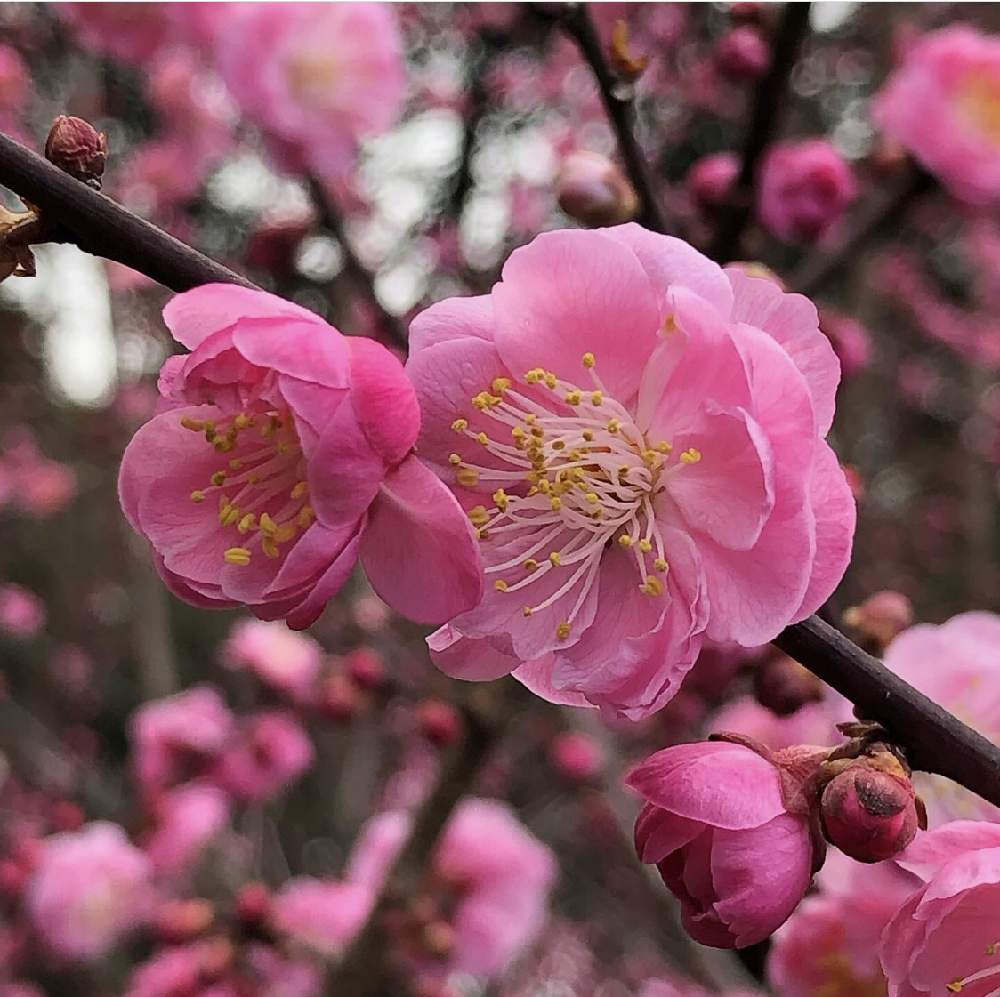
<point x="769" y="102"/>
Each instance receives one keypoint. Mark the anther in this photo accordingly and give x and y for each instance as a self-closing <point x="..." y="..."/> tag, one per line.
<point x="625" y="540"/>
<point x="574" y="397"/>
<point x="562" y="631"/>
<point x="460" y="425"/>
<point x="589" y="361"/>
<point x="691" y="456"/>
<point x="300" y="490"/>
<point x="531" y="564"/>
<point x="468" y="477"/>
<point x="195" y="425"/>
<point x="645" y="546"/>
<point x="197" y="496"/>
<point x="219" y="478"/>
<point x="500" y="585"/>
<point x="596" y="397"/>
<point x="247" y="523"/>
<point x="556" y="558"/>
<point x="237" y="555"/>
<point x="660" y="564"/>
<point x="270" y="548"/>
<point x="652" y="586"/>
<point x="454" y="459"/>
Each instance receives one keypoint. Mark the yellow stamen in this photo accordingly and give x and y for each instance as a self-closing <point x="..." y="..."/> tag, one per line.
<point x="562" y="631"/>
<point x="625" y="540"/>
<point x="500" y="585"/>
<point x="247" y="523"/>
<point x="645" y="546"/>
<point x="691" y="456"/>
<point x="500" y="384"/>
<point x="300" y="490"/>
<point x="454" y="459"/>
<point x="219" y="478"/>
<point x="195" y="425"/>
<point x="468" y="477"/>
<point x="460" y="425"/>
<point x="556" y="558"/>
<point x="596" y="397"/>
<point x="270" y="548"/>
<point x="574" y="397"/>
<point x="527" y="611"/>
<point x="478" y="515"/>
<point x="268" y="525"/>
<point x="589" y="361"/>
<point x="306" y="517"/>
<point x="652" y="586"/>
<point x="197" y="496"/>
<point x="531" y="564"/>
<point x="556" y="503"/>
<point x="660" y="564"/>
<point x="237" y="555"/>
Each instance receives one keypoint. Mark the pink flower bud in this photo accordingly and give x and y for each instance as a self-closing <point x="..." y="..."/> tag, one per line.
<point x="183" y="920"/>
<point x="438" y="722"/>
<point x="77" y="148"/>
<point x="576" y="756"/>
<point x="784" y="686"/>
<point x="730" y="832"/>
<point x="711" y="179"/>
<point x="366" y="668"/>
<point x="869" y="809"/>
<point x="340" y="699"/>
<point x="880" y="618"/>
<point x="253" y="903"/>
<point x="742" y="54"/>
<point x="594" y="191"/>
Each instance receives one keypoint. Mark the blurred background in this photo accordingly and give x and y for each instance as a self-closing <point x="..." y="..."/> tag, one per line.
<point x="501" y="117"/>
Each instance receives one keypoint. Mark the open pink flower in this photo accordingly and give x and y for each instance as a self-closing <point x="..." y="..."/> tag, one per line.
<point x="941" y="104"/>
<point x="731" y="841"/>
<point x="490" y="880"/>
<point x="91" y="887"/>
<point x="943" y="939"/>
<point x="281" y="456"/>
<point x="188" y="818"/>
<point x="317" y="78"/>
<point x="638" y="437"/>
<point x="269" y="753"/>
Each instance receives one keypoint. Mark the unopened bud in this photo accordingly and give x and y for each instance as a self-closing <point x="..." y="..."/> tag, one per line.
<point x="365" y="668"/>
<point x="340" y="699"/>
<point x="880" y="618"/>
<point x="576" y="756"/>
<point x="439" y="939"/>
<point x="253" y="903"/>
<point x="438" y="722"/>
<point x="711" y="179"/>
<point x="77" y="148"/>
<point x="869" y="809"/>
<point x="627" y="65"/>
<point x="742" y="54"/>
<point x="594" y="191"/>
<point x="182" y="920"/>
<point x="784" y="686"/>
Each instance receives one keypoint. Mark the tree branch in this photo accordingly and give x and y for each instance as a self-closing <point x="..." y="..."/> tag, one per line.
<point x="764" y="121"/>
<point x="619" y="103"/>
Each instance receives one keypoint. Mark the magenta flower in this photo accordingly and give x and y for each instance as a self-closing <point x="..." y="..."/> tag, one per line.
<point x="281" y="456"/>
<point x="321" y="916"/>
<point x="730" y="834"/>
<point x="638" y="437"/>
<point x="943" y="939"/>
<point x="490" y="881"/>
<point x="941" y="104"/>
<point x="287" y="661"/>
<point x="805" y="188"/>
<point x="270" y="751"/>
<point x="316" y="78"/>
<point x="90" y="888"/>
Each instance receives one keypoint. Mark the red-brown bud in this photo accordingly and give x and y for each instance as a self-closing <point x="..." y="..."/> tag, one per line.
<point x="438" y="722"/>
<point x="880" y="618"/>
<point x="365" y="668"/>
<point x="868" y="808"/>
<point x="594" y="191"/>
<point x="253" y="903"/>
<point x="183" y="920"/>
<point x="784" y="686"/>
<point x="77" y="148"/>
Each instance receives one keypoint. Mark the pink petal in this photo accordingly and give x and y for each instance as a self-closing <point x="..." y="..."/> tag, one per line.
<point x="536" y="677"/>
<point x="307" y="611"/>
<point x="570" y="292"/>
<point x="311" y="351"/>
<point x="659" y="832"/>
<point x="419" y="549"/>
<point x="453" y="318"/>
<point x="475" y="660"/>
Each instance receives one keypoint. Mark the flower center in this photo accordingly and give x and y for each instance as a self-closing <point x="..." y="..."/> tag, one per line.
<point x="840" y="979"/>
<point x="979" y="102"/>
<point x="991" y="972"/>
<point x="262" y="489"/>
<point x="586" y="477"/>
<point x="311" y="76"/>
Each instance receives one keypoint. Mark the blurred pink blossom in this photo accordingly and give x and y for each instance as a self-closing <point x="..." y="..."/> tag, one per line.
<point x="281" y="455"/>
<point x="742" y="54"/>
<point x="188" y="818"/>
<point x="941" y="104"/>
<point x="580" y="574"/>
<point x="316" y="78"/>
<point x="577" y="756"/>
<point x="281" y="658"/>
<point x="22" y="613"/>
<point x="91" y="887"/>
<point x="814" y="723"/>
<point x="805" y="188"/>
<point x="710" y="180"/>
<point x="851" y="341"/>
<point x="323" y="916"/>
<point x="270" y="751"/>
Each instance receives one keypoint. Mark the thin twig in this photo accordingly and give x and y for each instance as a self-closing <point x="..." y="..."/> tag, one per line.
<point x="619" y="103"/>
<point x="769" y="102"/>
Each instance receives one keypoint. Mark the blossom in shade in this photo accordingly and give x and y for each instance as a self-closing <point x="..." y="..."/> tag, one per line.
<point x="593" y="190"/>
<point x="742" y="54"/>
<point x="956" y="665"/>
<point x="710" y="180"/>
<point x="805" y="188"/>
<point x="22" y="613"/>
<point x="178" y="737"/>
<point x="131" y="32"/>
<point x="280" y="456"/>
<point x="188" y="819"/>
<point x="270" y="751"/>
<point x="633" y="494"/>
<point x="316" y="78"/>
<point x="90" y="888"/>
<point x="281" y="658"/>
<point x="942" y="105"/>
<point x="490" y="881"/>
<point x="731" y="835"/>
<point x="943" y="939"/>
<point x="322" y="916"/>
<point x="576" y="756"/>
<point x="851" y="341"/>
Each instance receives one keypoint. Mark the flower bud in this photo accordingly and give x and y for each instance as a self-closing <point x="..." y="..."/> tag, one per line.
<point x="784" y="686"/>
<point x="710" y="180"/>
<point x="182" y="920"/>
<point x="742" y="54"/>
<point x="253" y="903"/>
<point x="594" y="191"/>
<point x="340" y="699"/>
<point x="869" y="809"/>
<point x="365" y="668"/>
<point x="576" y="756"/>
<point x="880" y="618"/>
<point x="438" y="722"/>
<point x="77" y="148"/>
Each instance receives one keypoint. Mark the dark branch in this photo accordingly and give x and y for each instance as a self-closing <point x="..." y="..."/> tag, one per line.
<point x="769" y="101"/>
<point x="103" y="227"/>
<point x="619" y="104"/>
<point x="933" y="739"/>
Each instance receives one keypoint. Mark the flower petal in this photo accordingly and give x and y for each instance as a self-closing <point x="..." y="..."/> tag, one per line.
<point x="453" y="318"/>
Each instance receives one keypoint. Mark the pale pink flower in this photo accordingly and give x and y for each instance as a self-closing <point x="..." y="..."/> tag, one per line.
<point x="943" y="939"/>
<point x="270" y="751"/>
<point x="323" y="916"/>
<point x="281" y="457"/>
<point x="491" y="876"/>
<point x="956" y="665"/>
<point x="22" y="613"/>
<point x="188" y="819"/>
<point x="317" y="78"/>
<point x="730" y="834"/>
<point x="283" y="659"/>
<point x="178" y="737"/>
<point x="90" y="888"/>
<point x="941" y="104"/>
<point x="805" y="188"/>
<point x="637" y="493"/>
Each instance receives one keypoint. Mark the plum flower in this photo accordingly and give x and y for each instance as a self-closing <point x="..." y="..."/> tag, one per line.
<point x="731" y="834"/>
<point x="320" y="915"/>
<point x="637" y="436"/>
<point x="943" y="105"/>
<point x="282" y="454"/>
<point x="316" y="77"/>
<point x="943" y="939"/>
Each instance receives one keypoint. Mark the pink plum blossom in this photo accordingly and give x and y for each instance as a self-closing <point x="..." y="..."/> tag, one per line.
<point x="730" y="835"/>
<point x="91" y="887"/>
<point x="956" y="665"/>
<point x="188" y="818"/>
<point x="317" y="78"/>
<point x="489" y="872"/>
<point x="281" y="658"/>
<point x="941" y="104"/>
<point x="577" y="756"/>
<point x="851" y="341"/>
<point x="814" y="723"/>
<point x="805" y="187"/>
<point x="943" y="939"/>
<point x="22" y="613"/>
<point x="323" y="916"/>
<point x="710" y="180"/>
<point x="633" y="494"/>
<point x="270" y="751"/>
<point x="280" y="456"/>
